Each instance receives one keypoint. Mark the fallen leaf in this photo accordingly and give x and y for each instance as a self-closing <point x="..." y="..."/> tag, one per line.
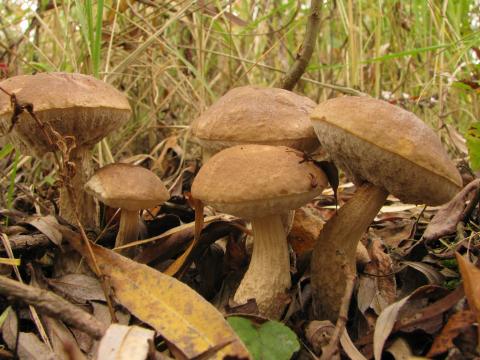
<point x="307" y="224"/>
<point x="377" y="289"/>
<point x="177" y="312"/>
<point x="471" y="283"/>
<point x="446" y="219"/>
<point x="388" y="317"/>
<point x="122" y="342"/>
<point x="433" y="276"/>
<point x="395" y="232"/>
<point x="29" y="346"/>
<point x="79" y="287"/>
<point x="46" y="225"/>
<point x="400" y="349"/>
<point x="349" y="348"/>
<point x="455" y="325"/>
<point x="271" y="340"/>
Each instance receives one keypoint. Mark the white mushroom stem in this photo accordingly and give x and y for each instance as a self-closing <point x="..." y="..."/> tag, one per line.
<point x="85" y="204"/>
<point x="128" y="228"/>
<point x="336" y="248"/>
<point x="268" y="276"/>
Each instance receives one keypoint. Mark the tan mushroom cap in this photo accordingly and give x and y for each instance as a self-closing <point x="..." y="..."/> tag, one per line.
<point x="257" y="180"/>
<point x="127" y="187"/>
<point x="252" y="114"/>
<point x="74" y="104"/>
<point x="374" y="141"/>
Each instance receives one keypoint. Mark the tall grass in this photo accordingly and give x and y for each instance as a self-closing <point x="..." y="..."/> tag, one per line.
<point x="175" y="58"/>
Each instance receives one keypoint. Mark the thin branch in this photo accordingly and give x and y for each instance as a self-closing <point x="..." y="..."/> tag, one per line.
<point x="332" y="347"/>
<point x="53" y="305"/>
<point x="303" y="58"/>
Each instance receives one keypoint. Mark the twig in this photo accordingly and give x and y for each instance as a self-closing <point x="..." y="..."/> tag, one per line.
<point x="303" y="58"/>
<point x="332" y="346"/>
<point x="53" y="305"/>
<point x="27" y="242"/>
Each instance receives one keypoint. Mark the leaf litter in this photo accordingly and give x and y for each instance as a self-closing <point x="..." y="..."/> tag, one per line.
<point x="401" y="287"/>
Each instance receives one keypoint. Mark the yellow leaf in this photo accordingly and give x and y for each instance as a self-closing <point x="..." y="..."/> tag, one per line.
<point x="172" y="308"/>
<point x="177" y="264"/>
<point x="12" y="262"/>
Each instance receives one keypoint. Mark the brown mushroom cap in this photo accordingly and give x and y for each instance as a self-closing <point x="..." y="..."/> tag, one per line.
<point x="74" y="104"/>
<point x="127" y="187"/>
<point x="257" y="180"/>
<point x="252" y="114"/>
<point x="374" y="141"/>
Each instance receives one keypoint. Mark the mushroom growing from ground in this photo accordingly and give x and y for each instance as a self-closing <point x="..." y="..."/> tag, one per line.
<point x="256" y="115"/>
<point x="130" y="188"/>
<point x="259" y="183"/>
<point x="73" y="105"/>
<point x="383" y="149"/>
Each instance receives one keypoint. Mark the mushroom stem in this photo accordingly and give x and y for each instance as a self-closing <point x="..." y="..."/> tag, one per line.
<point x="268" y="276"/>
<point x="85" y="203"/>
<point x="128" y="228"/>
<point x="336" y="247"/>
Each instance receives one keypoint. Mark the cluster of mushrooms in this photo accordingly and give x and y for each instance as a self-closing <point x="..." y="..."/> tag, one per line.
<point x="254" y="142"/>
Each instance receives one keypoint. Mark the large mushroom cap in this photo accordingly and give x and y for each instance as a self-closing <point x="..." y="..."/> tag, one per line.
<point x="74" y="104"/>
<point x="127" y="186"/>
<point x="251" y="114"/>
<point x="387" y="146"/>
<point x="257" y="180"/>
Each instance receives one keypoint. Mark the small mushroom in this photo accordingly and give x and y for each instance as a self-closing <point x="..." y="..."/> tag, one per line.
<point x="75" y="105"/>
<point x="260" y="183"/>
<point x="256" y="115"/>
<point x="130" y="188"/>
<point x="384" y="149"/>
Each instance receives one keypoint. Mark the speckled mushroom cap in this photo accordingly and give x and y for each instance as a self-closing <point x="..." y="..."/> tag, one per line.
<point x="73" y="104"/>
<point x="374" y="141"/>
<point x="257" y="180"/>
<point x="127" y="187"/>
<point x="256" y="115"/>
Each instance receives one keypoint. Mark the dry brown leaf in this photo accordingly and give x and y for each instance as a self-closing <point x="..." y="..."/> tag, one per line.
<point x="122" y="342"/>
<point x="47" y="226"/>
<point x="471" y="283"/>
<point x="456" y="323"/>
<point x="349" y="347"/>
<point x="172" y="308"/>
<point x="446" y="219"/>
<point x="394" y="232"/>
<point x="29" y="346"/>
<point x="388" y="317"/>
<point x="79" y="287"/>
<point x="377" y="290"/>
<point x="62" y="339"/>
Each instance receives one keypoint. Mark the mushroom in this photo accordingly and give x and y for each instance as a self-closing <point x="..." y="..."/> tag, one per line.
<point x="259" y="183"/>
<point x="256" y="115"/>
<point x="384" y="149"/>
<point x="73" y="105"/>
<point x="130" y="188"/>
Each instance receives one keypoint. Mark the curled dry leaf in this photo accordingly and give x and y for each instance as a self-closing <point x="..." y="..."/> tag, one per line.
<point x="47" y="226"/>
<point x="125" y="342"/>
<point x="349" y="348"/>
<point x="446" y="220"/>
<point x="389" y="316"/>
<point x="172" y="308"/>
